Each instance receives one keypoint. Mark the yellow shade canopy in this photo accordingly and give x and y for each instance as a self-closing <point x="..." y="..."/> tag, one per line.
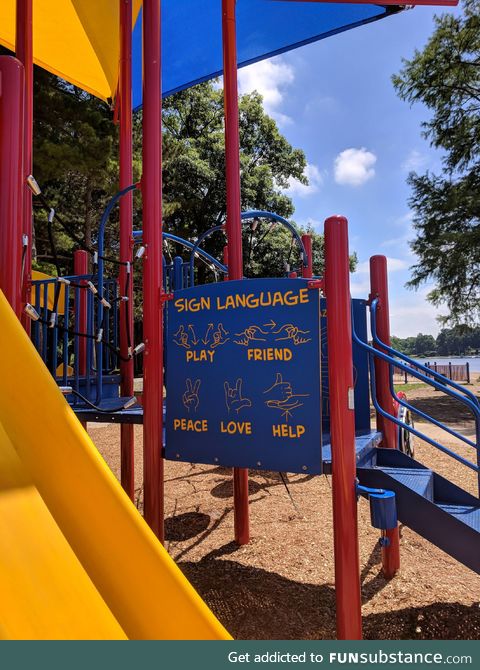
<point x="77" y="40"/>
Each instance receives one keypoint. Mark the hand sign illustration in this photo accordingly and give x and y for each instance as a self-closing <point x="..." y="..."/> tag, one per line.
<point x="291" y="332"/>
<point x="283" y="398"/>
<point x="233" y="397"/>
<point x="181" y="338"/>
<point x="219" y="336"/>
<point x="190" y="397"/>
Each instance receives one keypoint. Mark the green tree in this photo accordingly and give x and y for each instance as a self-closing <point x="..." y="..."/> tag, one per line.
<point x="194" y="175"/>
<point x="424" y="345"/>
<point x="76" y="149"/>
<point x="458" y="341"/>
<point x="75" y="159"/>
<point x="445" y="76"/>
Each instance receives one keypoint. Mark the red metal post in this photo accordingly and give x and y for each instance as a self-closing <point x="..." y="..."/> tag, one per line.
<point x="80" y="267"/>
<point x="379" y="289"/>
<point x="11" y="179"/>
<point x="307" y="271"/>
<point x="234" y="222"/>
<point x="127" y="444"/>
<point x="340" y="374"/>
<point x="152" y="269"/>
<point x="232" y="140"/>
<point x="24" y="53"/>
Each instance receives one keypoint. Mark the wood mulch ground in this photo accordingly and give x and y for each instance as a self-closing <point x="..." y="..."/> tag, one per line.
<point x="281" y="586"/>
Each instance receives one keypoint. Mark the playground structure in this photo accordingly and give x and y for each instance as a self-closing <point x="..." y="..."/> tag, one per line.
<point x="81" y="326"/>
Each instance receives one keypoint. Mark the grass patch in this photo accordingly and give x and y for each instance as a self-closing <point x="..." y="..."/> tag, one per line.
<point x="412" y="386"/>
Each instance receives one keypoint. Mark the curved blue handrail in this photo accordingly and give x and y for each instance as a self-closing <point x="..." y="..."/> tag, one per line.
<point x="197" y="244"/>
<point x="261" y="214"/>
<point x="137" y="234"/>
<point x="372" y="352"/>
<point x="410" y="428"/>
<point x="428" y="371"/>
<point x="418" y="411"/>
<point x="245" y="216"/>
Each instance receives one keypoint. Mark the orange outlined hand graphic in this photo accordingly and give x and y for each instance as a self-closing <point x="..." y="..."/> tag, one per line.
<point x="190" y="397"/>
<point x="233" y="397"/>
<point x="181" y="338"/>
<point x="219" y="336"/>
<point x="282" y="397"/>
<point x="291" y="332"/>
<point x="250" y="334"/>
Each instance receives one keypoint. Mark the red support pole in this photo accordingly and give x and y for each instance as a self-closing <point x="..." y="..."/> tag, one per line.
<point x="12" y="84"/>
<point x="340" y="374"/>
<point x="152" y="269"/>
<point x="379" y="289"/>
<point x="232" y="140"/>
<point x="24" y="53"/>
<point x="234" y="222"/>
<point x="307" y="271"/>
<point x="127" y="444"/>
<point x="80" y="267"/>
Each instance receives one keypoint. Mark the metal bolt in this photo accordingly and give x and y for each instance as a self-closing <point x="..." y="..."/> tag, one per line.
<point x="216" y="460"/>
<point x="304" y="467"/>
<point x="259" y="463"/>
<point x="177" y="455"/>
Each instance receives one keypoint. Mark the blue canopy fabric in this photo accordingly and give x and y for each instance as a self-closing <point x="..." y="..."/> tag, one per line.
<point x="192" y="35"/>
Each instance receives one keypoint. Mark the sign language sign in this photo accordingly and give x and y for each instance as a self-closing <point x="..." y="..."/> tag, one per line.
<point x="243" y="375"/>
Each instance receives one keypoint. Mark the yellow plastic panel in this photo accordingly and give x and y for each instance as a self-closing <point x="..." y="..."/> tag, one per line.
<point x="76" y="39"/>
<point x="45" y="592"/>
<point x="137" y="579"/>
<point x="36" y="275"/>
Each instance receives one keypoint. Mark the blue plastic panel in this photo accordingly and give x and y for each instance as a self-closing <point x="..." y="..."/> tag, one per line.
<point x="192" y="35"/>
<point x="243" y="375"/>
<point x="360" y="370"/>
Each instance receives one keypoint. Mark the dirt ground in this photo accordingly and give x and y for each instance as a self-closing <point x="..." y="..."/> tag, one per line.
<point x="281" y="586"/>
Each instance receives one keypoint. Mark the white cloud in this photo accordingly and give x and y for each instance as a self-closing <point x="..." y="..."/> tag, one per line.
<point x="270" y="78"/>
<point x="413" y="314"/>
<point x="359" y="286"/>
<point x="360" y="280"/>
<point x="414" y="161"/>
<point x="315" y="181"/>
<point x="354" y="167"/>
<point x="393" y="265"/>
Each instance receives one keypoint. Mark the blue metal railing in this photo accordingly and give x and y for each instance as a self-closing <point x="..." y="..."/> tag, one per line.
<point x="422" y="373"/>
<point x="262" y="214"/>
<point x="58" y="333"/>
<point x="187" y="275"/>
<point x="245" y="216"/>
<point x="427" y="371"/>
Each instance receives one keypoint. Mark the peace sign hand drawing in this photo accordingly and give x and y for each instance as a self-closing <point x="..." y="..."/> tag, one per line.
<point x="233" y="397"/>
<point x="190" y="397"/>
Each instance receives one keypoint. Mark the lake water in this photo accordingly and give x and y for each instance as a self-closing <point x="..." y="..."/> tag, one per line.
<point x="444" y="360"/>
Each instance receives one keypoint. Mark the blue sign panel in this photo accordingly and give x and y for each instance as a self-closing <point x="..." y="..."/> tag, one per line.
<point x="360" y="371"/>
<point x="243" y="375"/>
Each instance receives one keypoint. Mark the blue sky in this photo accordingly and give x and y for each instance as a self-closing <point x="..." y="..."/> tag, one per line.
<point x="335" y="100"/>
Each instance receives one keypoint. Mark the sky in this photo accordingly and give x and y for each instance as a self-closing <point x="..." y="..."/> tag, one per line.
<point x="334" y="99"/>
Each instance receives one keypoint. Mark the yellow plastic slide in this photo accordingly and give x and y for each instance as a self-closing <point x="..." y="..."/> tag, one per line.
<point x="77" y="561"/>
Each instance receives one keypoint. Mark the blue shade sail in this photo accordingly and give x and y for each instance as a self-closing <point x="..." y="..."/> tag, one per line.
<point x="192" y="35"/>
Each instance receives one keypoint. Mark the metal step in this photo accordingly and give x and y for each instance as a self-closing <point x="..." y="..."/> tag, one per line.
<point x="468" y="514"/>
<point x="431" y="505"/>
<point x="420" y="481"/>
